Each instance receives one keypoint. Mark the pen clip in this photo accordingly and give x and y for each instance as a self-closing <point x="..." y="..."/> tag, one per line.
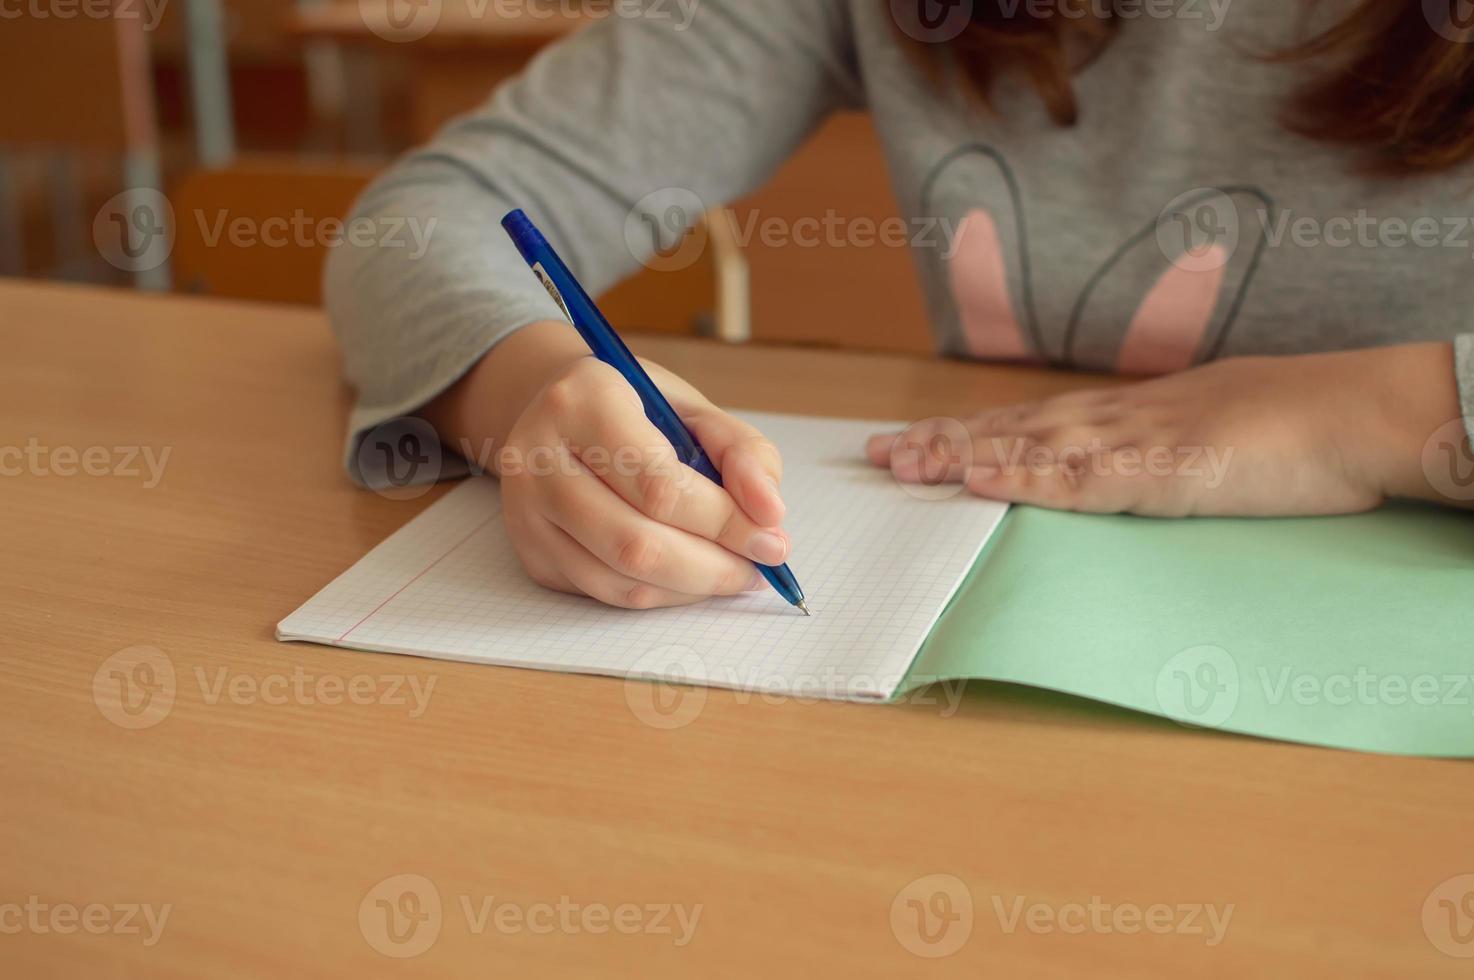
<point x="547" y="281"/>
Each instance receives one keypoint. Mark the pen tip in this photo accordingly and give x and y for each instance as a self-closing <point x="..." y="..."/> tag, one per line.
<point x="803" y="604"/>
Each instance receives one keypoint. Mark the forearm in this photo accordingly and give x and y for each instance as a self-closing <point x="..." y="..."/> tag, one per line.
<point x="479" y="410"/>
<point x="1410" y="396"/>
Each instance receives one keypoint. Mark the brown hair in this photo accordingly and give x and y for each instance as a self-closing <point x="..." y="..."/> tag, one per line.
<point x="1389" y="78"/>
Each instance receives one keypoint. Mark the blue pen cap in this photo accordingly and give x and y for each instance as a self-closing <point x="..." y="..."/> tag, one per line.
<point x="524" y="234"/>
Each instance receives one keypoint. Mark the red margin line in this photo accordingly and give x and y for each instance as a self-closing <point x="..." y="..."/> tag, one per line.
<point x="423" y="572"/>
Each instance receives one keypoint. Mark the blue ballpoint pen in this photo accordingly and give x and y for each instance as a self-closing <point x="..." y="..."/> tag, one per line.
<point x="607" y="347"/>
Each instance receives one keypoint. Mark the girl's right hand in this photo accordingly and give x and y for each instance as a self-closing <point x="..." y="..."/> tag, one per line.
<point x="596" y="502"/>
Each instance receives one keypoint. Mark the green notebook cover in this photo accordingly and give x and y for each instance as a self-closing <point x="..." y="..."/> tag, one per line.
<point x="1355" y="632"/>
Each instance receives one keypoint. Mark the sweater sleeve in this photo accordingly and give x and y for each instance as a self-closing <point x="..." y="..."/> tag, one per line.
<point x="661" y="103"/>
<point x="1464" y="369"/>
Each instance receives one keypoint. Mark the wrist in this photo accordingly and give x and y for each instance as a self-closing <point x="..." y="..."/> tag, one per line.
<point x="1410" y="393"/>
<point x="480" y="409"/>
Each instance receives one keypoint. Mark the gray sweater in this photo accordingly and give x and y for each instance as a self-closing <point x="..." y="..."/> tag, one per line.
<point x="1177" y="222"/>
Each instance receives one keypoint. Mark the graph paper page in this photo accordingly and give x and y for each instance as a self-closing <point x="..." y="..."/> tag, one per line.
<point x="877" y="561"/>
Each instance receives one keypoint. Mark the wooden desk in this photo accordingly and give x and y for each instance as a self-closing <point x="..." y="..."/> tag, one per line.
<point x="267" y="825"/>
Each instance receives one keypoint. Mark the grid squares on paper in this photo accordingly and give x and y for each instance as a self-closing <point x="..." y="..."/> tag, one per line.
<point x="877" y="563"/>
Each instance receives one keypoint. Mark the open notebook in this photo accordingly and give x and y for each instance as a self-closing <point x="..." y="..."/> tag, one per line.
<point x="1346" y="631"/>
<point x="878" y="562"/>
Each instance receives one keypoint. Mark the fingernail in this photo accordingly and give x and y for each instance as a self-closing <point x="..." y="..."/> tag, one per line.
<point x="767" y="547"/>
<point x="981" y="473"/>
<point x="758" y="583"/>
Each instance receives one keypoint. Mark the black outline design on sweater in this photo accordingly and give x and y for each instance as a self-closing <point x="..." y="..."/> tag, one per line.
<point x="1212" y="348"/>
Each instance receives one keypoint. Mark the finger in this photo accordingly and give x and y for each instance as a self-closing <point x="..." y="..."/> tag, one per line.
<point x="587" y="575"/>
<point x="1066" y="479"/>
<point x="539" y="566"/>
<point x="638" y="547"/>
<point x="933" y="451"/>
<point x="623" y="449"/>
<point x="1088" y="407"/>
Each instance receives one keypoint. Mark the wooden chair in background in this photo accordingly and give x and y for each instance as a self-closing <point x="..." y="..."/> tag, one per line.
<point x="75" y="87"/>
<point x="707" y="296"/>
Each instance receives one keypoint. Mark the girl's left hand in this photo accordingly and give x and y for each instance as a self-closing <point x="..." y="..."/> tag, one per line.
<point x="1308" y="434"/>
